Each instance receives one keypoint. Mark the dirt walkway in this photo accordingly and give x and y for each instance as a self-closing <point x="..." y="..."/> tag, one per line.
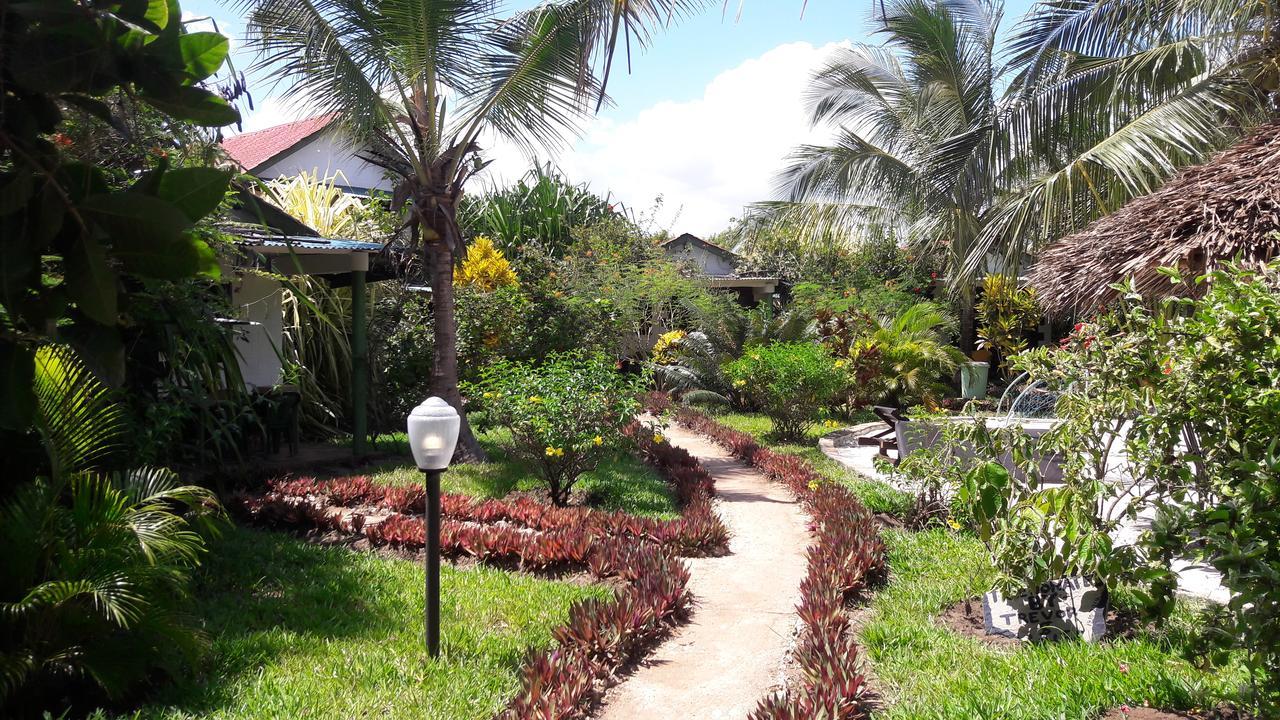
<point x="731" y="654"/>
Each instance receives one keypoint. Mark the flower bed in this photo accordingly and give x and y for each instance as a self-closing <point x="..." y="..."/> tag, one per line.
<point x="847" y="553"/>
<point x="600" y="637"/>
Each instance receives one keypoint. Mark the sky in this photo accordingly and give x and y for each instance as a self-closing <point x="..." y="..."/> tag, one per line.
<point x="704" y="119"/>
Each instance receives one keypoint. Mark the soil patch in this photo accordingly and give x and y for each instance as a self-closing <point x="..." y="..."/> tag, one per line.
<point x="965" y="618"/>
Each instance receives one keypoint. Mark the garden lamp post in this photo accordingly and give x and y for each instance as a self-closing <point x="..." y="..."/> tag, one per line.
<point x="433" y="435"/>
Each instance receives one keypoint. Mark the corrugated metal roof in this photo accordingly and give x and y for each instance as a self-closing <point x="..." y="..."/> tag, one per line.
<point x="308" y="243"/>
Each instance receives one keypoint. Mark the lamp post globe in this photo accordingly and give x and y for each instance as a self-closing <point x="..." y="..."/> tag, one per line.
<point x="433" y="436"/>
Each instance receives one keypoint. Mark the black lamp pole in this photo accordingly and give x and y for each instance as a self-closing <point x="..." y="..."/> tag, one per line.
<point x="433" y="562"/>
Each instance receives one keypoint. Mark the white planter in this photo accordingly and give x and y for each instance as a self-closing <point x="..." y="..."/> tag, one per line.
<point x="1059" y="609"/>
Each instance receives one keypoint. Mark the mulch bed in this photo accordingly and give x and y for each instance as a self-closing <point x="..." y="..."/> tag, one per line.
<point x="965" y="618"/>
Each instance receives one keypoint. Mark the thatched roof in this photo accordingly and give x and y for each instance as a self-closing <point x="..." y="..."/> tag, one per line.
<point x="1204" y="215"/>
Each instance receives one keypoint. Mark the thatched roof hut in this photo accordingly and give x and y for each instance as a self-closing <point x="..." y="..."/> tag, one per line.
<point x="1226" y="207"/>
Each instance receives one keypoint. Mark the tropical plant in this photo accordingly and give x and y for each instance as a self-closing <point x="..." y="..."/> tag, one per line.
<point x="94" y="577"/>
<point x="542" y="208"/>
<point x="386" y="70"/>
<point x="928" y="144"/>
<point x="1006" y="313"/>
<point x="485" y="268"/>
<point x="565" y="414"/>
<point x="901" y="360"/>
<point x="795" y="384"/>
<point x="69" y="231"/>
<point x="702" y="354"/>
<point x="319" y="203"/>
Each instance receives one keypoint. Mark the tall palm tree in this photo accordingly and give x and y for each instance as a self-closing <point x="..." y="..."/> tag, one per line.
<point x="919" y="134"/>
<point x="935" y="138"/>
<point x="424" y="82"/>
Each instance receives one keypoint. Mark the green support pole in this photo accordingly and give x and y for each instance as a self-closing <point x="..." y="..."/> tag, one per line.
<point x="359" y="363"/>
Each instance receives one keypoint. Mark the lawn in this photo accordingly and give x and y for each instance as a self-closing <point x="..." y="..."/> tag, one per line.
<point x="927" y="671"/>
<point x="623" y="483"/>
<point x="876" y="495"/>
<point x="300" y="630"/>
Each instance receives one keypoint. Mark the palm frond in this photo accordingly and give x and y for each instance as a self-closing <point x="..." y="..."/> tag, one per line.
<point x="79" y="422"/>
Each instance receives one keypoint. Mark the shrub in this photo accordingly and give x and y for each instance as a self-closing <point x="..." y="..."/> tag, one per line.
<point x="565" y="414"/>
<point x="96" y="564"/>
<point x="793" y="383"/>
<point x="485" y="268"/>
<point x="1006" y="313"/>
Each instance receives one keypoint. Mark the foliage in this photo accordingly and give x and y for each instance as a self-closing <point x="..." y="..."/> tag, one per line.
<point x="900" y="361"/>
<point x="97" y="561"/>
<point x="543" y="208"/>
<point x="722" y="337"/>
<point x="565" y="414"/>
<point x="986" y="161"/>
<point x="795" y="384"/>
<point x="1195" y="383"/>
<point x="69" y="233"/>
<point x="319" y="203"/>
<point x="525" y="76"/>
<point x="1006" y="313"/>
<point x="664" y="351"/>
<point x="182" y="376"/>
<point x="484" y="267"/>
<point x="401" y="351"/>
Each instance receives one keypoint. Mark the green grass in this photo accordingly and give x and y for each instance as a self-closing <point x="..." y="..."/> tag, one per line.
<point x="300" y="630"/>
<point x="927" y="671"/>
<point x="622" y="483"/>
<point x="876" y="495"/>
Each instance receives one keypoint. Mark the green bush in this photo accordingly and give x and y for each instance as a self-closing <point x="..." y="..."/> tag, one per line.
<point x="795" y="384"/>
<point x="96" y="564"/>
<point x="565" y="414"/>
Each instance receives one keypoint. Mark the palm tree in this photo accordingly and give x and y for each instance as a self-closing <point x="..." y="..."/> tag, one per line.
<point x="1102" y="101"/>
<point x="424" y="82"/>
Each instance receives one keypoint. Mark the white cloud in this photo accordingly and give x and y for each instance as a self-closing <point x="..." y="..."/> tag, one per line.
<point x="707" y="157"/>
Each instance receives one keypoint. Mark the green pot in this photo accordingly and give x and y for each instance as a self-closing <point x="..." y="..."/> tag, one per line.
<point x="973" y="380"/>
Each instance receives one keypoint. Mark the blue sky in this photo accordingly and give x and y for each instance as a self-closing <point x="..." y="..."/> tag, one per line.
<point x="720" y="95"/>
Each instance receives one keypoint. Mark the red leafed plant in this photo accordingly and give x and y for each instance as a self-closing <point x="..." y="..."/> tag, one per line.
<point x="846" y="554"/>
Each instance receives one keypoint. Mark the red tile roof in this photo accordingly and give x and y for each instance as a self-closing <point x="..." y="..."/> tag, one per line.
<point x="254" y="149"/>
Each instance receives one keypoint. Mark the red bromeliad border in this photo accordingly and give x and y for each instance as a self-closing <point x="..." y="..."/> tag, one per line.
<point x="600" y="637"/>
<point x="846" y="554"/>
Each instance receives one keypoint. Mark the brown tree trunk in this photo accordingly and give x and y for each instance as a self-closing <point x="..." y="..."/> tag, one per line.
<point x="444" y="370"/>
<point x="968" y="324"/>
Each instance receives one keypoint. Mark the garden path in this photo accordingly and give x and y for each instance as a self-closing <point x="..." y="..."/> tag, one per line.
<point x="732" y="652"/>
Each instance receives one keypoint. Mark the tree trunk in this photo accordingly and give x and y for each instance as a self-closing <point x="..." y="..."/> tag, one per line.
<point x="444" y="370"/>
<point x="968" y="324"/>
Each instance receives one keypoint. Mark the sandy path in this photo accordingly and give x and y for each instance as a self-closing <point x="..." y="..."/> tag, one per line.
<point x="731" y="654"/>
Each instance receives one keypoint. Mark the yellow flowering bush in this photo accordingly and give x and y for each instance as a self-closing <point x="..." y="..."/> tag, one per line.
<point x="664" y="351"/>
<point x="566" y="413"/>
<point x="485" y="267"/>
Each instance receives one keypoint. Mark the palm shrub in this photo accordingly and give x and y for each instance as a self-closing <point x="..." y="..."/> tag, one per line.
<point x="795" y="384"/>
<point x="97" y="562"/>
<point x="565" y="414"/>
<point x="900" y="360"/>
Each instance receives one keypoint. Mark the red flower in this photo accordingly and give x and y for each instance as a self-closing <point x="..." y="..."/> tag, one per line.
<point x="915" y="290"/>
<point x="1168" y="366"/>
<point x="61" y="140"/>
<point x="1076" y="329"/>
<point x="1087" y="342"/>
<point x="933" y="276"/>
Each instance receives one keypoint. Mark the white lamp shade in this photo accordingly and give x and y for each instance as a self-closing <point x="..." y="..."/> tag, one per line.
<point x="433" y="433"/>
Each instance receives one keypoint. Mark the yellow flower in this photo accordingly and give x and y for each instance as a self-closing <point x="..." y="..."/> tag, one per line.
<point x="657" y="438"/>
<point x="813" y="485"/>
<point x="552" y="452"/>
<point x="535" y="399"/>
<point x="841" y="363"/>
<point x="597" y="440"/>
<point x="488" y="395"/>
<point x="954" y="525"/>
<point x="830" y="424"/>
<point x="739" y="383"/>
<point x="755" y="356"/>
